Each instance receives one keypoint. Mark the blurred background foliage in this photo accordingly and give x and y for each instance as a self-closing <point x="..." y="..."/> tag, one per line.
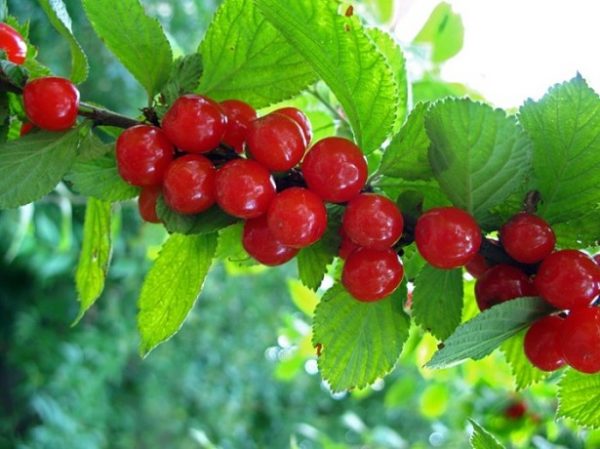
<point x="242" y="372"/>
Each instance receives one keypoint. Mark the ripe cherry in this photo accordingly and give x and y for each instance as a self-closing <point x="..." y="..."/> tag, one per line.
<point x="542" y="343"/>
<point x="195" y="124"/>
<point x="13" y="44"/>
<point x="516" y="410"/>
<point x="51" y="103"/>
<point x="527" y="238"/>
<point x="260" y="243"/>
<point x="143" y="155"/>
<point x="477" y="266"/>
<point x="347" y="246"/>
<point x="373" y="221"/>
<point x="579" y="339"/>
<point x="189" y="184"/>
<point x="568" y="279"/>
<point x="372" y="274"/>
<point x="297" y="217"/>
<point x="335" y="169"/>
<point x="239" y="116"/>
<point x="276" y="142"/>
<point x="300" y="118"/>
<point x="502" y="283"/>
<point x="244" y="188"/>
<point x="147" y="203"/>
<point x="447" y="237"/>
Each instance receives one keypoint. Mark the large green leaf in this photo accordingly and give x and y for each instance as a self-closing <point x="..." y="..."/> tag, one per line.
<point x="566" y="153"/>
<point x="359" y="341"/>
<point x="30" y="167"/>
<point x="579" y="398"/>
<point x="135" y="38"/>
<point x="482" y="439"/>
<point x="60" y="19"/>
<point x="479" y="155"/>
<point x="444" y="31"/>
<point x="172" y="286"/>
<point x="246" y="58"/>
<point x="95" y="254"/>
<point x="205" y="222"/>
<point x="344" y="56"/>
<point x="479" y="336"/>
<point x="184" y="78"/>
<point x="524" y="373"/>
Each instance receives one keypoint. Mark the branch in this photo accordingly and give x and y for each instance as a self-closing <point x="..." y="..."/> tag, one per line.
<point x="104" y="117"/>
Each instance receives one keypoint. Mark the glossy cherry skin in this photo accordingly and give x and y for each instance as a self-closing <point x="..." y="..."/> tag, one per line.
<point x="244" y="188"/>
<point x="502" y="283"/>
<point x="147" y="203"/>
<point x="276" y="142"/>
<point x="542" y="343"/>
<point x="189" y="184"/>
<point x="568" y="279"/>
<point x="51" y="103"/>
<point x="335" y="169"/>
<point x="239" y="116"/>
<point x="260" y="243"/>
<point x="527" y="238"/>
<point x="195" y="124"/>
<point x="447" y="237"/>
<point x="477" y="266"/>
<point x="372" y="274"/>
<point x="143" y="155"/>
<point x="13" y="44"/>
<point x="300" y="118"/>
<point x="579" y="339"/>
<point x="297" y="217"/>
<point x="373" y="221"/>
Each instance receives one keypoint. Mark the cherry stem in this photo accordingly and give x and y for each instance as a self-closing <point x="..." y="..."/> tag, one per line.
<point x="530" y="203"/>
<point x="104" y="117"/>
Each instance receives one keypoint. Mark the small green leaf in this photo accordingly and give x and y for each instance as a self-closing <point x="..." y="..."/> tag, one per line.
<point x="13" y="73"/>
<point x="343" y="55"/>
<point x="524" y="373"/>
<point x="479" y="336"/>
<point x="135" y="38"/>
<point x="303" y="297"/>
<point x="359" y="341"/>
<point x="59" y="17"/>
<point x="30" y="167"/>
<point x="578" y="398"/>
<point x="438" y="300"/>
<point x="482" y="439"/>
<point x="95" y="254"/>
<point x="203" y="223"/>
<point x="184" y="78"/>
<point x="246" y="58"/>
<point x="444" y="31"/>
<point x="172" y="286"/>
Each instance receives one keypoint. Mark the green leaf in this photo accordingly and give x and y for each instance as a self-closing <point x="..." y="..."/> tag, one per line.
<point x="444" y="31"/>
<point x="3" y="10"/>
<point x="407" y="155"/>
<point x="438" y="300"/>
<point x="344" y="56"/>
<point x="482" y="439"/>
<point x="246" y="58"/>
<point x="204" y="223"/>
<point x="303" y="297"/>
<point x="578" y="398"/>
<point x="135" y="38"/>
<point x="95" y="254"/>
<point x="359" y="341"/>
<point x="59" y="18"/>
<point x="431" y="88"/>
<point x="172" y="286"/>
<point x="30" y="167"/>
<point x="524" y="373"/>
<point x="382" y="9"/>
<point x="582" y="231"/>
<point x="184" y="78"/>
<point x="479" y="336"/>
<point x="566" y="149"/>
<point x="15" y="74"/>
<point x="479" y="155"/>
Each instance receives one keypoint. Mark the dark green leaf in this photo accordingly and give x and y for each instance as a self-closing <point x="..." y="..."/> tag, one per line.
<point x="204" y="223"/>
<point x="524" y="372"/>
<point x="578" y="398"/>
<point x="582" y="231"/>
<point x="482" y="439"/>
<point x="13" y="73"/>
<point x="443" y="31"/>
<point x="184" y="78"/>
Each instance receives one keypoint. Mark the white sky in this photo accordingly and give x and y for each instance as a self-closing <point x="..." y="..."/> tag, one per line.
<point x="516" y="49"/>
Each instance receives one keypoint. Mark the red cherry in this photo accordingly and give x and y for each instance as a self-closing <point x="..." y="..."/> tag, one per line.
<point x="568" y="279"/>
<point x="373" y="221"/>
<point x="542" y="343"/>
<point x="447" y="237"/>
<point x="579" y="338"/>
<point x="189" y="184"/>
<point x="477" y="266"/>
<point x="239" y="116"/>
<point x="527" y="238"/>
<point x="262" y="245"/>
<point x="372" y="274"/>
<point x="51" y="103"/>
<point x="244" y="188"/>
<point x="276" y="142"/>
<point x="347" y="246"/>
<point x="300" y="118"/>
<point x="516" y="410"/>
<point x="26" y="128"/>
<point x="13" y="44"/>
<point x="143" y="155"/>
<point x="502" y="283"/>
<point x="335" y="169"/>
<point x="297" y="217"/>
<point x="147" y="203"/>
<point x="195" y="124"/>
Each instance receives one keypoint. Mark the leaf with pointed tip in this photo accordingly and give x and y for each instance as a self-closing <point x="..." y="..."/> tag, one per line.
<point x="444" y="31"/>
<point x="482" y="439"/>
<point x="524" y="373"/>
